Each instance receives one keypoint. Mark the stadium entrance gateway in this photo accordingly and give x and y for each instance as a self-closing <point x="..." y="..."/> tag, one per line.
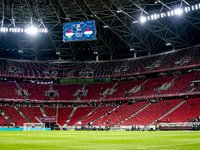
<point x="49" y="121"/>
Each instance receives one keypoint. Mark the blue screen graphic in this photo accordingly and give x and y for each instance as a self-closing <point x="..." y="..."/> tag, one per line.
<point x="79" y="31"/>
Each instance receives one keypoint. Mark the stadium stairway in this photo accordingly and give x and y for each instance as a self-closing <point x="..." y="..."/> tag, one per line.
<point x="133" y="114"/>
<point x="6" y="117"/>
<point x="38" y="120"/>
<point x="106" y="114"/>
<point x="22" y="114"/>
<point x="43" y="112"/>
<point x="170" y="84"/>
<point x="107" y="92"/>
<point x="18" y="92"/>
<point x="79" y="114"/>
<point x="168" y="112"/>
<point x="135" y="89"/>
<point x="70" y="116"/>
<point x="86" y="115"/>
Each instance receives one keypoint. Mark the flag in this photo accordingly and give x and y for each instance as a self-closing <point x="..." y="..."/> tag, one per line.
<point x="88" y="32"/>
<point x="69" y="34"/>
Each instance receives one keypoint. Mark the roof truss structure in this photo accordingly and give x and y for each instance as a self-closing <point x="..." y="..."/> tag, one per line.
<point x="123" y="32"/>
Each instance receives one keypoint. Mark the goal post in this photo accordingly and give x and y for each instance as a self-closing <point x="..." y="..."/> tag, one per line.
<point x="34" y="127"/>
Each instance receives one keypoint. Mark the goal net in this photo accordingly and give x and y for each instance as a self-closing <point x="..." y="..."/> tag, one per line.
<point x="33" y="127"/>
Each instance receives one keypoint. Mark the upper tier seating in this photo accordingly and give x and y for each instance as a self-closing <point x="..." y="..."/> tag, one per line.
<point x="7" y="90"/>
<point x="66" y="92"/>
<point x="36" y="91"/>
<point x="96" y="90"/>
<point x="176" y="59"/>
<point x="157" y="86"/>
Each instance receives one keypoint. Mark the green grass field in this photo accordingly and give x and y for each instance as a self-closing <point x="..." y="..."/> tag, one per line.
<point x="99" y="140"/>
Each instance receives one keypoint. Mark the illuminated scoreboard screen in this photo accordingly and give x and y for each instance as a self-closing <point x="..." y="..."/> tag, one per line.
<point x="79" y="31"/>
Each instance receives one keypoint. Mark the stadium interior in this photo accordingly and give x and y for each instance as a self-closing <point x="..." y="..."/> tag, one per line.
<point x="141" y="72"/>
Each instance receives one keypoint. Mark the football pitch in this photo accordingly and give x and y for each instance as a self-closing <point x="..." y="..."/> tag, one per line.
<point x="99" y="140"/>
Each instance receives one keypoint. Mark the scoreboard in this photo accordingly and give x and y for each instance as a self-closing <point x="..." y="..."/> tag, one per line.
<point x="79" y="31"/>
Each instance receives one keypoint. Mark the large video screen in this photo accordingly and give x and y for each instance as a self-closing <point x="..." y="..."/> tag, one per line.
<point x="79" y="31"/>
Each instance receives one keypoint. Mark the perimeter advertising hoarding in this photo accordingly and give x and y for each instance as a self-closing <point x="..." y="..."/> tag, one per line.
<point x="47" y="119"/>
<point x="79" y="31"/>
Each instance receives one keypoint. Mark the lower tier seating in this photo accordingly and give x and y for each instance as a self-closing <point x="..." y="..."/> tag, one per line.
<point x="63" y="114"/>
<point x="139" y="113"/>
<point x="3" y="121"/>
<point x="31" y="113"/>
<point x="188" y="111"/>
<point x="151" y="113"/>
<point x="99" y="112"/>
<point x="79" y="114"/>
<point x="14" y="115"/>
<point x="119" y="114"/>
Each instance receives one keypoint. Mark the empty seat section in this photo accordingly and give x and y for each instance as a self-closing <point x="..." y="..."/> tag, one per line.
<point x="119" y="114"/>
<point x="100" y="111"/>
<point x="63" y="114"/>
<point x="67" y="91"/>
<point x="50" y="112"/>
<point x="151" y="113"/>
<point x="7" y="90"/>
<point x="188" y="110"/>
<point x="3" y="121"/>
<point x="14" y="115"/>
<point x="79" y="114"/>
<point x="31" y="113"/>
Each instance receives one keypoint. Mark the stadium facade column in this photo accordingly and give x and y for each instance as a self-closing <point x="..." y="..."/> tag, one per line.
<point x="135" y="54"/>
<point x="111" y="57"/>
<point x="149" y="53"/>
<point x="97" y="57"/>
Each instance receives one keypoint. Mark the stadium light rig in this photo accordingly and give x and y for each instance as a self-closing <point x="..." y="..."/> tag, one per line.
<point x="168" y="44"/>
<point x="176" y="12"/>
<point x="29" y="30"/>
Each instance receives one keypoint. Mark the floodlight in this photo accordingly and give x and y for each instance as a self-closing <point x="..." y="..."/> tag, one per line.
<point x="155" y="16"/>
<point x="196" y="6"/>
<point x="135" y="21"/>
<point x="57" y="53"/>
<point x="45" y="30"/>
<point x="32" y="30"/>
<point x="172" y="13"/>
<point x="186" y="9"/>
<point x="168" y="13"/>
<point x="168" y="44"/>
<point x="106" y="26"/>
<point x="4" y="29"/>
<point x="142" y="19"/>
<point x="119" y="11"/>
<point x="152" y="17"/>
<point x="178" y="11"/>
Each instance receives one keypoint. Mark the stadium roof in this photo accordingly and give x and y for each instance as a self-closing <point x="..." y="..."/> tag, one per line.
<point x="118" y="24"/>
